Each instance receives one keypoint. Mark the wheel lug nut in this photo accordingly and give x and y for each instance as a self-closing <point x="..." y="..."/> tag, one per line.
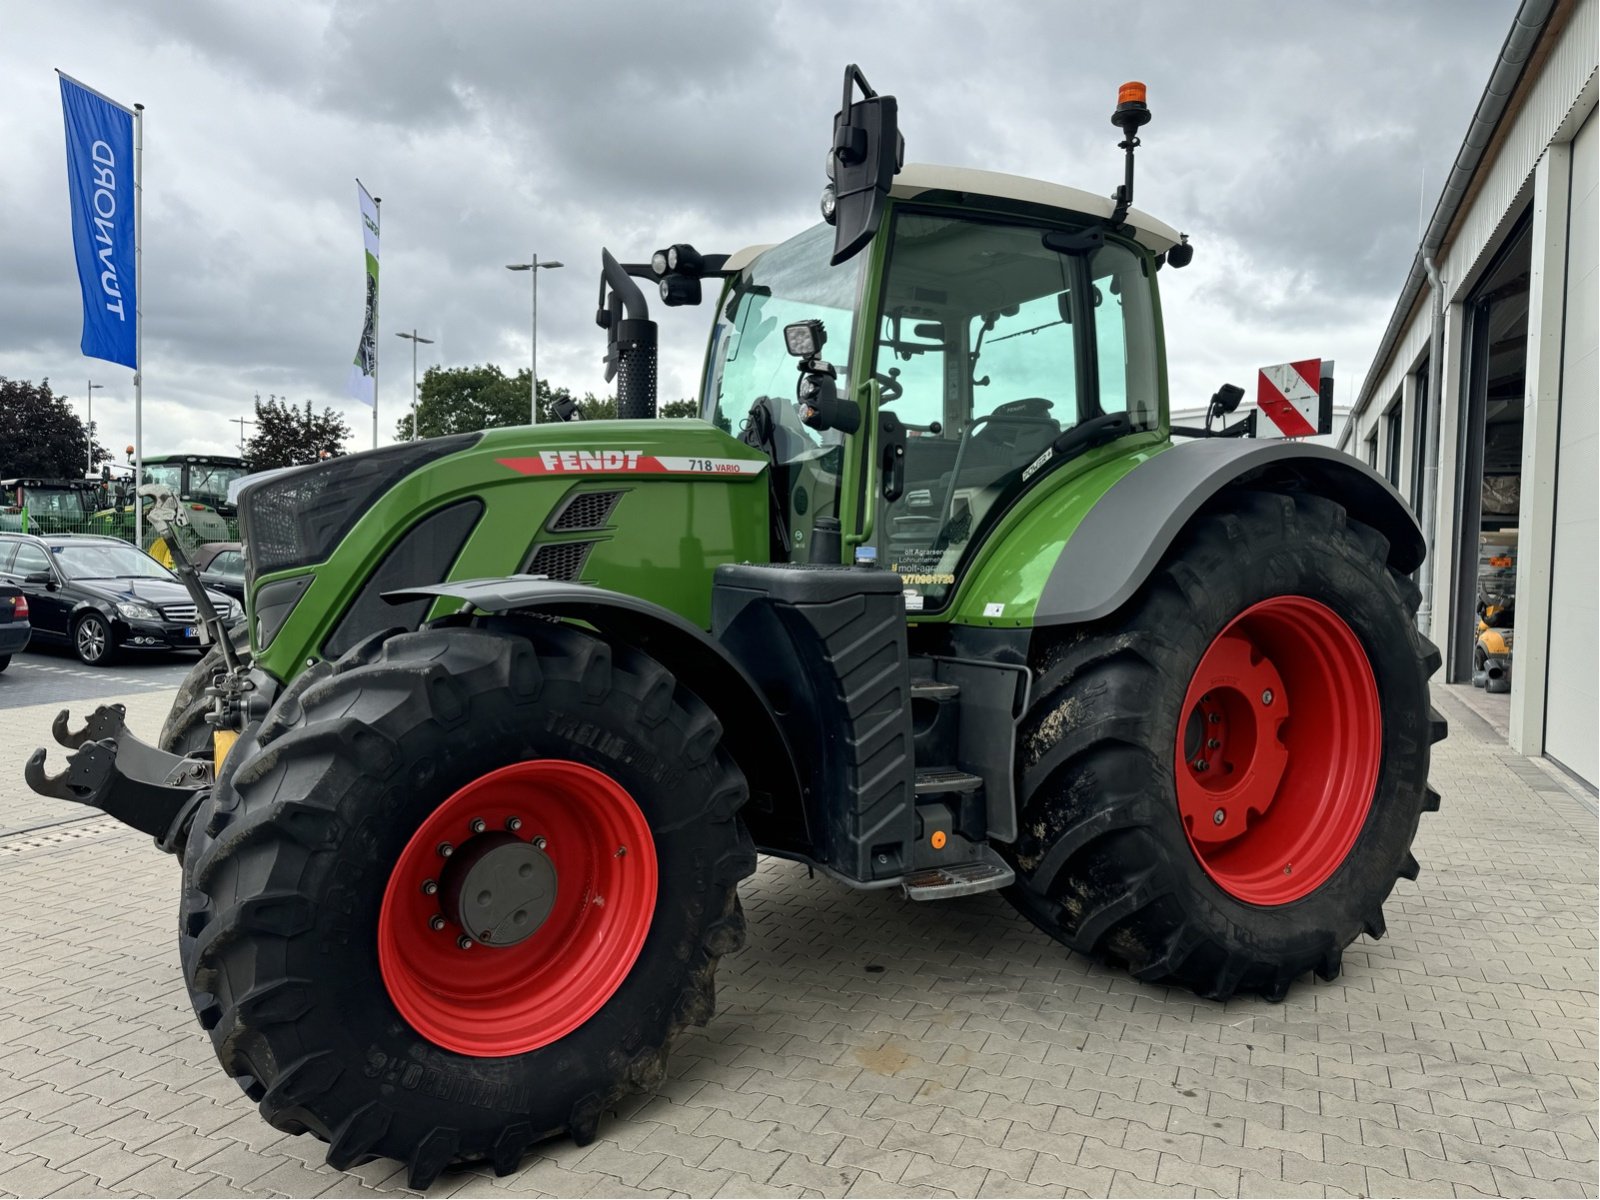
<point x="514" y="823"/>
<point x="539" y="842"/>
<point x="1213" y="744"/>
<point x="436" y="922"/>
<point x="1266" y="696"/>
<point x="1216" y="718"/>
<point x="464" y="942"/>
<point x="446" y="849"/>
<point x="1218" y="817"/>
<point x="1201" y="764"/>
<point x="479" y="825"/>
<point x="621" y="851"/>
<point x="429" y="887"/>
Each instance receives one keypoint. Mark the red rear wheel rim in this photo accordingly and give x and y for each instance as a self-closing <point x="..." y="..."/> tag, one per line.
<point x="1278" y="750"/>
<point x="488" y="1000"/>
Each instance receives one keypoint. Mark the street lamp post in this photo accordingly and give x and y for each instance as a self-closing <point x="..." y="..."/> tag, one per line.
<point x="414" y="338"/>
<point x="533" y="268"/>
<point x="88" y="420"/>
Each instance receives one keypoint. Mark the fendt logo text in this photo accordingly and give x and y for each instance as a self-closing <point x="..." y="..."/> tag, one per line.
<point x="590" y="460"/>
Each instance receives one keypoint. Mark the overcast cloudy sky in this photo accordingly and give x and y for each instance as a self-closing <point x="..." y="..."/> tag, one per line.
<point x="1289" y="141"/>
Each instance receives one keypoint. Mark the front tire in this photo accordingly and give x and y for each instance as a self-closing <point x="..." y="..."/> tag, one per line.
<point x="1221" y="782"/>
<point x="312" y="954"/>
<point x="186" y="731"/>
<point x="92" y="641"/>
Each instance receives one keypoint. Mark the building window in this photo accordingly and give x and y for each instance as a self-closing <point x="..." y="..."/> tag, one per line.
<point x="1419" y="437"/>
<point x="1372" y="450"/>
<point x="1391" y="445"/>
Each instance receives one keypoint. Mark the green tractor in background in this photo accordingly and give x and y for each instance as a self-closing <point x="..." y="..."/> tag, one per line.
<point x="928" y="600"/>
<point x="199" y="482"/>
<point x="46" y="505"/>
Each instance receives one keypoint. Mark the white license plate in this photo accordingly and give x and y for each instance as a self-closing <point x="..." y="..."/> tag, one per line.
<point x="188" y="631"/>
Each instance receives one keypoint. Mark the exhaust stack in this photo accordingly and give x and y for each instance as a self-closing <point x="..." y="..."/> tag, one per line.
<point x="630" y="342"/>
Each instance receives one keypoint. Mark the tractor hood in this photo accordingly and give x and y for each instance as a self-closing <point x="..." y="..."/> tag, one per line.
<point x="643" y="507"/>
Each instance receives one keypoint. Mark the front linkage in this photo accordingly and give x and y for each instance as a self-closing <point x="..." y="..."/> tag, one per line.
<point x="153" y="790"/>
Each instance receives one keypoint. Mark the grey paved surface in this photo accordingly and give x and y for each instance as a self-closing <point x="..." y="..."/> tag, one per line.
<point x="868" y="1046"/>
<point x="51" y="675"/>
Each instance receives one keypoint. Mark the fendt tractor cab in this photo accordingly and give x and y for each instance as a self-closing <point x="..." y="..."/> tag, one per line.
<point x="927" y="600"/>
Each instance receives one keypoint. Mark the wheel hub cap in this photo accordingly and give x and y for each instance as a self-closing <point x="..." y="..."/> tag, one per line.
<point x="498" y="889"/>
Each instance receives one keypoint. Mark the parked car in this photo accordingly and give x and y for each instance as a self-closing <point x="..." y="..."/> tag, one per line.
<point x="221" y="567"/>
<point x="14" y="627"/>
<point x="99" y="595"/>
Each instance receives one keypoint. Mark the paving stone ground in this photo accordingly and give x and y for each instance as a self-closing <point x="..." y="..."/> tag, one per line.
<point x="866" y="1045"/>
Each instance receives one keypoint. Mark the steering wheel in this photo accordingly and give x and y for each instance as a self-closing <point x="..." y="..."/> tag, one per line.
<point x="890" y="386"/>
<point x="1029" y="409"/>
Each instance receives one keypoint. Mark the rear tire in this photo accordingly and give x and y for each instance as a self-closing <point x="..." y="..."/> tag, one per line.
<point x="5" y="661"/>
<point x="1106" y="862"/>
<point x="285" y="892"/>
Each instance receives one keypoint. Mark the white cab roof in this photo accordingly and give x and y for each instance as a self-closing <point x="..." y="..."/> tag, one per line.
<point x="916" y="179"/>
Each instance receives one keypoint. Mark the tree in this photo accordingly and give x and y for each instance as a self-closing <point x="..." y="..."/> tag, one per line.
<point x="680" y="408"/>
<point x="467" y="399"/>
<point x="287" y="436"/>
<point x="40" y="435"/>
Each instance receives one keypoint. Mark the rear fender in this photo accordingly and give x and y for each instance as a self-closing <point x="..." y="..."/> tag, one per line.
<point x="1124" y="536"/>
<point x="751" y="732"/>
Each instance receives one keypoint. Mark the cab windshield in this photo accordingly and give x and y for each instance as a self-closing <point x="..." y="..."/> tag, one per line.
<point x="56" y="502"/>
<point x="990" y="344"/>
<point x="749" y="360"/>
<point x="208" y="482"/>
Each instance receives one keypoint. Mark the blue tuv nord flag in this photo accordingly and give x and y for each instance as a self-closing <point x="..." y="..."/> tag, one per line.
<point x="100" y="184"/>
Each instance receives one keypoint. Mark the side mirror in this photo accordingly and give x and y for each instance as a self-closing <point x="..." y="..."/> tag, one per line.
<point x="43" y="577"/>
<point x="865" y="157"/>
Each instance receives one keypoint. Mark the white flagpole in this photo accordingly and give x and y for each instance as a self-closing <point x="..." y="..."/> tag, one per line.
<point x="377" y="299"/>
<point x="138" y="323"/>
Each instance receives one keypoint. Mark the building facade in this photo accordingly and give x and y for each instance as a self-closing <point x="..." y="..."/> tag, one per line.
<point x="1482" y="400"/>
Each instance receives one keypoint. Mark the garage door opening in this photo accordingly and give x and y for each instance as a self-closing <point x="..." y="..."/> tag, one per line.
<point x="1489" y="493"/>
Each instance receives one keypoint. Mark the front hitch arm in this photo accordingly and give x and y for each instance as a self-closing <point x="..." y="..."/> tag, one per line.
<point x="112" y="770"/>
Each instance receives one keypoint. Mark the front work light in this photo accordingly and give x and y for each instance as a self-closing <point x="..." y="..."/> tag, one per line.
<point x="830" y="204"/>
<point x="805" y="339"/>
<point x="685" y="259"/>
<point x="679" y="289"/>
<point x="658" y="262"/>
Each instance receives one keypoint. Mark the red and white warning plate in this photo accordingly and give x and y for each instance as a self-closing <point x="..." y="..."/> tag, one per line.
<point x="1288" y="396"/>
<point x="628" y="462"/>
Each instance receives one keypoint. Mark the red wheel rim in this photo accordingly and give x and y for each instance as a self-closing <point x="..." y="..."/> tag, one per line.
<point x="1278" y="750"/>
<point x="489" y="999"/>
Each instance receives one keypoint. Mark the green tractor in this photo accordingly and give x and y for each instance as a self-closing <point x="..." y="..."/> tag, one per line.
<point x="927" y="600"/>
<point x="46" y="505"/>
<point x="200" y="482"/>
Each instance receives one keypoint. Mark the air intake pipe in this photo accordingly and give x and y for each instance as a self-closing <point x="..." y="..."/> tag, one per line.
<point x="630" y="340"/>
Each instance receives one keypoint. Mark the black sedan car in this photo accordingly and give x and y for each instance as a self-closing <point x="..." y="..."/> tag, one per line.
<point x="14" y="626"/>
<point x="100" y="595"/>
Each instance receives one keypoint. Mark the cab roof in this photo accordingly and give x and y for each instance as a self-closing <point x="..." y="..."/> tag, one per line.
<point x="926" y="179"/>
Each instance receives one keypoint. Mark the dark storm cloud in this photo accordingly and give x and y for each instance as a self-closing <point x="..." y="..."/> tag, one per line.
<point x="1288" y="140"/>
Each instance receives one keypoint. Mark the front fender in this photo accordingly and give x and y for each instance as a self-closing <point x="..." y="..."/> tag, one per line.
<point x="1122" y="538"/>
<point x="751" y="731"/>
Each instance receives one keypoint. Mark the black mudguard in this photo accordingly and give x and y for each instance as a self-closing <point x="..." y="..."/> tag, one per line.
<point x="1125" y="535"/>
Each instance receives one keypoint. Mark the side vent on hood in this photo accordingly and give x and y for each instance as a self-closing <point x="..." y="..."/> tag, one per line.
<point x="584" y="510"/>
